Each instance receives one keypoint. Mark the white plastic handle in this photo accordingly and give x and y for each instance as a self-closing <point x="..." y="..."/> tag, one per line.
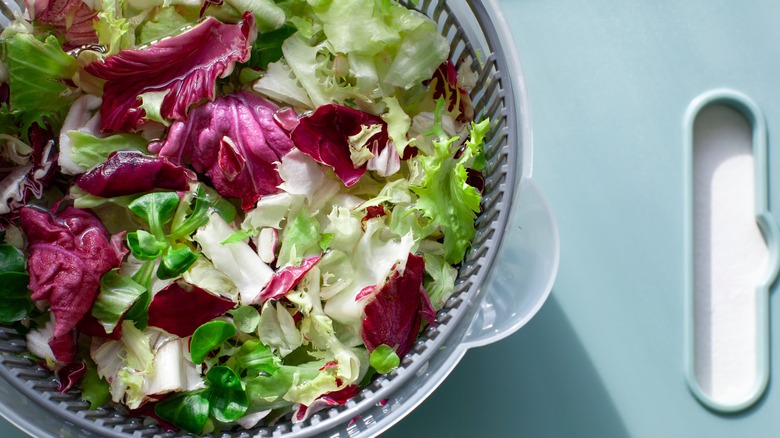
<point x="524" y="271"/>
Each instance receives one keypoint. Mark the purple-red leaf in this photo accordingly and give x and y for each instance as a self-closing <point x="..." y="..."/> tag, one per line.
<point x="89" y="325"/>
<point x="71" y="19"/>
<point x="64" y="347"/>
<point x="286" y="279"/>
<point x="186" y="66"/>
<point x="324" y="401"/>
<point x="325" y="136"/>
<point x="129" y="172"/>
<point x="444" y="84"/>
<point x="235" y="141"/>
<point x="69" y="252"/>
<point x="393" y="317"/>
<point x="181" y="308"/>
<point x="70" y="375"/>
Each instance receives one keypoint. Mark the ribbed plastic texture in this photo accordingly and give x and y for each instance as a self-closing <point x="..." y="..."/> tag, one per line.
<point x="474" y="40"/>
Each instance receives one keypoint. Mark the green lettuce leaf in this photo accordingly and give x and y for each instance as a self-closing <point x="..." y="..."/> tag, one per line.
<point x="89" y="151"/>
<point x="442" y="282"/>
<point x="113" y="30"/>
<point x="300" y="238"/>
<point x="165" y="22"/>
<point x="151" y="103"/>
<point x="267" y="48"/>
<point x="117" y="294"/>
<point x="93" y="388"/>
<point x="445" y="196"/>
<point x="36" y="74"/>
<point x="384" y="359"/>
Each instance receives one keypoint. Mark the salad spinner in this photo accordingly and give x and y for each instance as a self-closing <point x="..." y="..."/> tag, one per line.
<point x="504" y="280"/>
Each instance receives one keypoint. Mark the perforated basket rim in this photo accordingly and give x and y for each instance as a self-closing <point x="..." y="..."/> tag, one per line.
<point x="457" y="311"/>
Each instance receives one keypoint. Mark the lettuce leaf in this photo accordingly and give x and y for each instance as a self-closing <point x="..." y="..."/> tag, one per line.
<point x="37" y="71"/>
<point x="237" y="261"/>
<point x="445" y="195"/>
<point x="442" y="283"/>
<point x="89" y="151"/>
<point x="371" y="259"/>
<point x="124" y="364"/>
<point x="143" y="364"/>
<point x="187" y="65"/>
<point x="300" y="239"/>
<point x="117" y="295"/>
<point x="165" y="22"/>
<point x="277" y="329"/>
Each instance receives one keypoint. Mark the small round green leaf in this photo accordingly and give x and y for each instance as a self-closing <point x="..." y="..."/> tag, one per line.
<point x="227" y="398"/>
<point x="246" y="318"/>
<point x="11" y="259"/>
<point x="209" y="336"/>
<point x="384" y="359"/>
<point x="15" y="297"/>
<point x="175" y="261"/>
<point x="144" y="245"/>
<point x="188" y="411"/>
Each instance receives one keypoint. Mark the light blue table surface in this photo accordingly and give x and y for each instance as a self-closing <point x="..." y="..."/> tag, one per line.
<point x="608" y="83"/>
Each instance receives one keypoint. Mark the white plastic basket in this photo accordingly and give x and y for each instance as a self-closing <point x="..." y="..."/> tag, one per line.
<point x="505" y="279"/>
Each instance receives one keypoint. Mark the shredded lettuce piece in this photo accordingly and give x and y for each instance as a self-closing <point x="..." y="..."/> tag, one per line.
<point x="237" y="260"/>
<point x="165" y="22"/>
<point x="445" y="195"/>
<point x="117" y="294"/>
<point x="114" y="31"/>
<point x="277" y="329"/>
<point x="36" y="74"/>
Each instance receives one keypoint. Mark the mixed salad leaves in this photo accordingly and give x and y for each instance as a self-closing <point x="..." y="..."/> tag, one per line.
<point x="230" y="211"/>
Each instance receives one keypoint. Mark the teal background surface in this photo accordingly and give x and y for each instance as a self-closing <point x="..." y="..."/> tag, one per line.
<point x="608" y="83"/>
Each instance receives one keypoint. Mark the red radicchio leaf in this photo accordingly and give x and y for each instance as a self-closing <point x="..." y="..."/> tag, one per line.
<point x="286" y="118"/>
<point x="64" y="347"/>
<point x="70" y="375"/>
<point x="89" y="325"/>
<point x="365" y="292"/>
<point x="186" y="66"/>
<point x="181" y="308"/>
<point x="372" y="212"/>
<point x="444" y="84"/>
<point x="326" y="400"/>
<point x="69" y="252"/>
<point x="129" y="172"/>
<point x="5" y="93"/>
<point x="29" y="181"/>
<point x="286" y="279"/>
<point x="233" y="140"/>
<point x="71" y="19"/>
<point x="393" y="317"/>
<point x="324" y="136"/>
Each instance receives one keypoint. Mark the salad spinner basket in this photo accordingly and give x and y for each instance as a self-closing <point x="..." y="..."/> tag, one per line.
<point x="504" y="280"/>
